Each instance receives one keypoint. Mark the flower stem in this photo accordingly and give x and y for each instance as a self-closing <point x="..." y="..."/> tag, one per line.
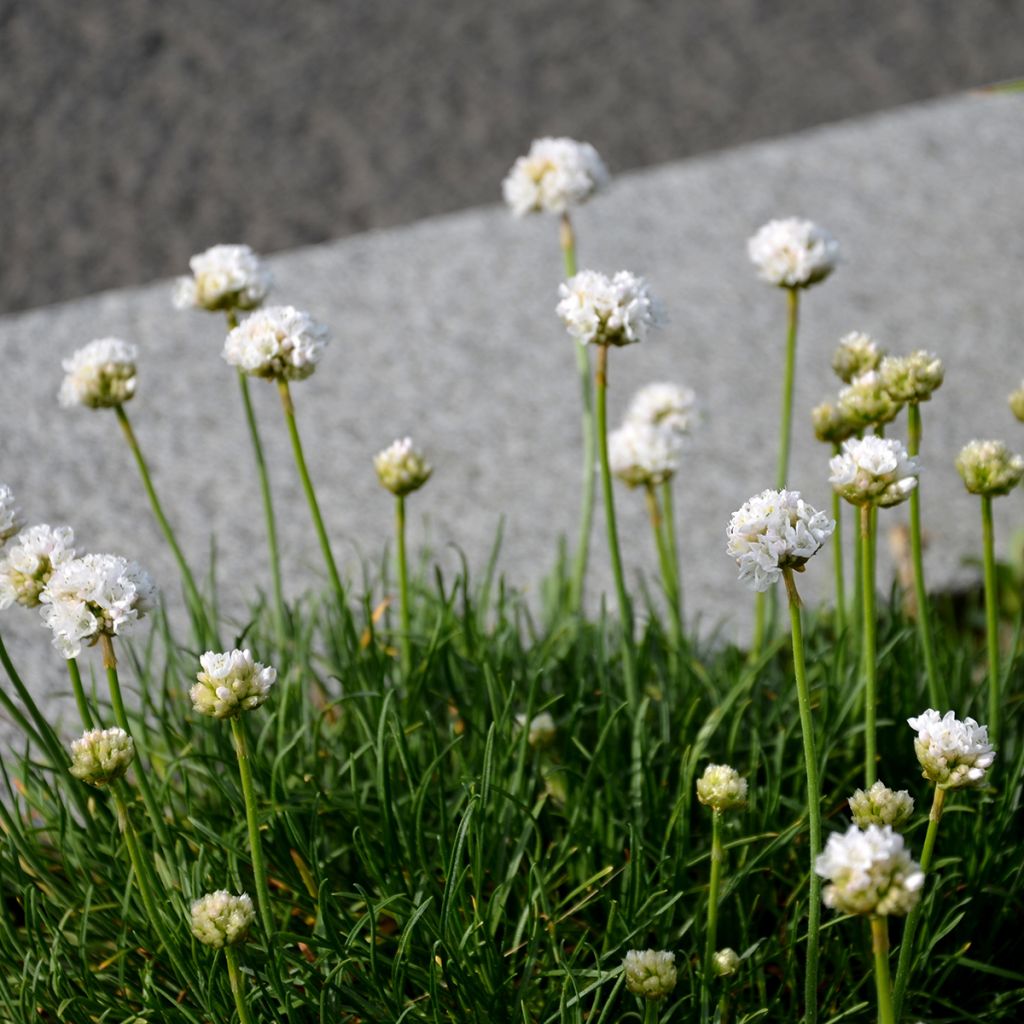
<point x="403" y="585"/>
<point x="813" y="798"/>
<point x="665" y="560"/>
<point x="868" y="665"/>
<point x="84" y="711"/>
<point x="651" y="1011"/>
<point x="669" y="525"/>
<point x="237" y="990"/>
<point x="991" y="616"/>
<point x="711" y="928"/>
<point x="880" y="947"/>
<point x="837" y="554"/>
<point x="786" y="426"/>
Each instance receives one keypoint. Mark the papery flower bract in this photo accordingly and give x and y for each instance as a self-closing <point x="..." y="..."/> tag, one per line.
<point x="11" y="519"/>
<point x="27" y="566"/>
<point x="952" y="754"/>
<point x="220" y="919"/>
<point x="873" y="471"/>
<point x="793" y="253"/>
<point x="663" y="404"/>
<point x="855" y="354"/>
<point x="881" y="805"/>
<point x="866" y="403"/>
<point x="912" y="378"/>
<point x="722" y="788"/>
<point x="278" y="343"/>
<point x="231" y="682"/>
<point x="224" y="277"/>
<point x="554" y="175"/>
<point x="775" y="530"/>
<point x="1016" y="402"/>
<point x="100" y="375"/>
<point x="833" y="423"/>
<point x="870" y="872"/>
<point x="101" y="756"/>
<point x="542" y="729"/>
<point x="602" y="310"/>
<point x="93" y="595"/>
<point x="401" y="467"/>
<point x="725" y="962"/>
<point x="650" y="973"/>
<point x="641" y="454"/>
<point x="989" y="467"/>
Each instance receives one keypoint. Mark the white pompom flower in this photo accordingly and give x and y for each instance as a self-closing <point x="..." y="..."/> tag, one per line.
<point x="401" y="467"/>
<point x="29" y="563"/>
<point x="541" y="730"/>
<point x="100" y="375"/>
<point x="873" y="471"/>
<point x="793" y="253"/>
<point x="277" y="343"/>
<point x="11" y="519"/>
<point x="912" y="378"/>
<point x="650" y="973"/>
<point x="855" y="354"/>
<point x="601" y="310"/>
<point x="775" y="530"/>
<point x="640" y="454"/>
<point x="230" y="683"/>
<point x="220" y="919"/>
<point x="989" y="467"/>
<point x="666" y="405"/>
<point x="722" y="788"/>
<point x="224" y="277"/>
<point x="101" y="756"/>
<point x="555" y="175"/>
<point x="880" y="805"/>
<point x="952" y="754"/>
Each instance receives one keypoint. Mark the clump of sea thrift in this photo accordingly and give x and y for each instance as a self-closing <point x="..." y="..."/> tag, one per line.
<point x="1016" y="401"/>
<point x="722" y="788"/>
<point x="101" y="756"/>
<point x="912" y="378"/>
<point x="555" y="175"/>
<point x="100" y="375"/>
<point x="873" y="471"/>
<point x="401" y="467"/>
<point x="277" y="343"/>
<point x="650" y="973"/>
<point x="641" y="454"/>
<point x="881" y="805"/>
<point x="855" y="354"/>
<point x="220" y="919"/>
<point x="793" y="253"/>
<point x="665" y="405"/>
<point x="28" y="565"/>
<point x="11" y="519"/>
<point x="541" y="731"/>
<point x="725" y="962"/>
<point x="230" y="683"/>
<point x="601" y="310"/>
<point x="867" y="403"/>
<point x="989" y="467"/>
<point x="224" y="277"/>
<point x="952" y="754"/>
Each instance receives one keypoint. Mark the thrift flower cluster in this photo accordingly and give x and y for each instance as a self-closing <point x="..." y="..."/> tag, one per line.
<point x="650" y="973"/>
<point x="881" y="805"/>
<point x="793" y="253"/>
<point x="101" y="756"/>
<point x="989" y="467"/>
<point x="555" y="175"/>
<point x="855" y="354"/>
<point x="912" y="378"/>
<point x="278" y="343"/>
<point x="230" y="683"/>
<point x="601" y="310"/>
<point x="100" y="375"/>
<point x="873" y="471"/>
<point x="1016" y="401"/>
<point x="224" y="277"/>
<point x="722" y="788"/>
<point x="220" y="919"/>
<point x="11" y="519"/>
<point x="645" y="450"/>
<point x="952" y="754"/>
<point x="30" y="562"/>
<point x="401" y="468"/>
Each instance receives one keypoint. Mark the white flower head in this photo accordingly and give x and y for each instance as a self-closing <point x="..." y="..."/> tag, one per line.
<point x="725" y="962"/>
<point x="665" y="405"/>
<point x="11" y="519"/>
<point x="100" y="375"/>
<point x="833" y="424"/>
<point x="866" y="402"/>
<point x="601" y="310"/>
<point x="101" y="756"/>
<point x="642" y="454"/>
<point x="224" y="277"/>
<point x="989" y="467"/>
<point x="793" y="253"/>
<point x="870" y="872"/>
<point x="775" y="530"/>
<point x="230" y="683"/>
<point x="29" y="563"/>
<point x="952" y="754"/>
<point x="881" y="805"/>
<point x="555" y="175"/>
<point x="650" y="973"/>
<point x="542" y="729"/>
<point x="722" y="788"/>
<point x="401" y="467"/>
<point x="220" y="919"/>
<point x="279" y="343"/>
<point x="92" y="596"/>
<point x="855" y="354"/>
<point x="912" y="378"/>
<point x="873" y="471"/>
<point x="1016" y="401"/>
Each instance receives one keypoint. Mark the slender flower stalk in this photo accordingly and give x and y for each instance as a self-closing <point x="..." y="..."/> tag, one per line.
<point x="988" y="538"/>
<point x="237" y="986"/>
<point x="81" y="701"/>
<point x="838" y="567"/>
<point x="869" y="661"/>
<point x="252" y="821"/>
<point x="403" y="585"/>
<point x="883" y="985"/>
<point x="671" y="540"/>
<point x="668" y="578"/>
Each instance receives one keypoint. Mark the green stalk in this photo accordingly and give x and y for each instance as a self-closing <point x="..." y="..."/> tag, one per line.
<point x="403" y="586"/>
<point x="237" y="990"/>
<point x="991" y="616"/>
<point x="786" y="426"/>
<point x="665" y="561"/>
<point x="711" y="929"/>
<point x="669" y="524"/>
<point x="936" y="694"/>
<point x="858" y="567"/>
<point x="813" y="798"/>
<point x="837" y="554"/>
<point x="84" y="711"/>
<point x="906" y="961"/>
<point x="880" y="947"/>
<point x="651" y="1011"/>
<point x="869" y="668"/>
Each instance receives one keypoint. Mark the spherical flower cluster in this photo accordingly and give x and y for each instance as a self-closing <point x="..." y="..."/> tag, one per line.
<point x="775" y="530"/>
<point x="912" y="378"/>
<point x="870" y="872"/>
<point x="220" y="919"/>
<point x="94" y="595"/>
<point x="665" y="405"/>
<point x="725" y="962"/>
<point x="793" y="253"/>
<point x="279" y="343"/>
<point x="952" y="754"/>
<point x="833" y="424"/>
<point x="11" y="519"/>
<point x="542" y="729"/>
<point x="641" y="454"/>
<point x="866" y="403"/>
<point x="600" y="310"/>
<point x="881" y="805"/>
<point x="401" y="468"/>
<point x="855" y="354"/>
<point x="650" y="973"/>
<point x="101" y="756"/>
<point x="722" y="788"/>
<point x="989" y="467"/>
<point x="554" y="175"/>
<point x="873" y="471"/>
<point x="224" y="277"/>
<point x="100" y="375"/>
<point x="230" y="683"/>
<point x="28" y="565"/>
<point x="1016" y="401"/>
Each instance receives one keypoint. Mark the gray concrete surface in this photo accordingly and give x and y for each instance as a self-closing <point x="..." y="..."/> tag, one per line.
<point x="445" y="330"/>
<point x="136" y="132"/>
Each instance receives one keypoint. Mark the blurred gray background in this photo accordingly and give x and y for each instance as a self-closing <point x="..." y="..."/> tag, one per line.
<point x="135" y="133"/>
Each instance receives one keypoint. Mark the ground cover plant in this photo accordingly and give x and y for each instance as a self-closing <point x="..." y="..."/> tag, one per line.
<point x="421" y="798"/>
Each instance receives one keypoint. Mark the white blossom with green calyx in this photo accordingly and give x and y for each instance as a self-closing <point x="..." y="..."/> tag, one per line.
<point x="11" y="519"/>
<point x="100" y="375"/>
<point x="101" y="756"/>
<point x="601" y="310"/>
<point x="541" y="731"/>
<point x="855" y="354"/>
<point x="29" y="563"/>
<point x="989" y="467"/>
<point x="650" y="973"/>
<point x="952" y="753"/>
<point x="793" y="253"/>
<point x="663" y="404"/>
<point x="869" y="872"/>
<point x="276" y="343"/>
<point x="866" y="402"/>
<point x="833" y="423"/>
<point x="912" y="378"/>
<point x="1016" y="402"/>
<point x="773" y="531"/>
<point x="401" y="467"/>
<point x="722" y="788"/>
<point x="880" y="805"/>
<point x="224" y="277"/>
<point x="725" y="962"/>
<point x="555" y="175"/>
<point x="220" y="919"/>
<point x="873" y="471"/>
<point x="231" y="682"/>
<point x="641" y="454"/>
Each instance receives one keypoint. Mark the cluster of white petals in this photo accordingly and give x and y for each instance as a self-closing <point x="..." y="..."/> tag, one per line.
<point x="230" y="683"/>
<point x="279" y="343"/>
<point x="555" y="175"/>
<point x="93" y="595"/>
<point x="650" y="973"/>
<point x="220" y="919"/>
<point x="100" y="375"/>
<point x="725" y="962"/>
<point x="1016" y="402"/>
<point x="642" y="454"/>
<point x="401" y="467"/>
<point x="11" y="519"/>
<point x="870" y="872"/>
<point x="602" y="310"/>
<point x="881" y="805"/>
<point x="912" y="378"/>
<point x="833" y="423"/>
<point x="775" y="530"/>
<point x="952" y="754"/>
<point x="27" y="566"/>
<point x="101" y="756"/>
<point x="663" y="404"/>
<point x="793" y="253"/>
<point x="541" y="731"/>
<point x="224" y="277"/>
<point x="855" y="354"/>
<point x="722" y="788"/>
<point x="865" y="402"/>
<point x="873" y="471"/>
<point x="989" y="467"/>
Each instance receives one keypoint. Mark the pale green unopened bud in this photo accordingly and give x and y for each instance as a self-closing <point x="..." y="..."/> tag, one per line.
<point x="722" y="788"/>
<point x="220" y="919"/>
<point x="912" y="378"/>
<point x="650" y="973"/>
<point x="542" y="729"/>
<point x="1017" y="403"/>
<point x="881" y="805"/>
<point x="865" y="401"/>
<point x="832" y="424"/>
<point x="725" y="962"/>
<point x="856" y="353"/>
<point x="231" y="683"/>
<point x="101" y="756"/>
<point x="401" y="468"/>
<point x="989" y="467"/>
